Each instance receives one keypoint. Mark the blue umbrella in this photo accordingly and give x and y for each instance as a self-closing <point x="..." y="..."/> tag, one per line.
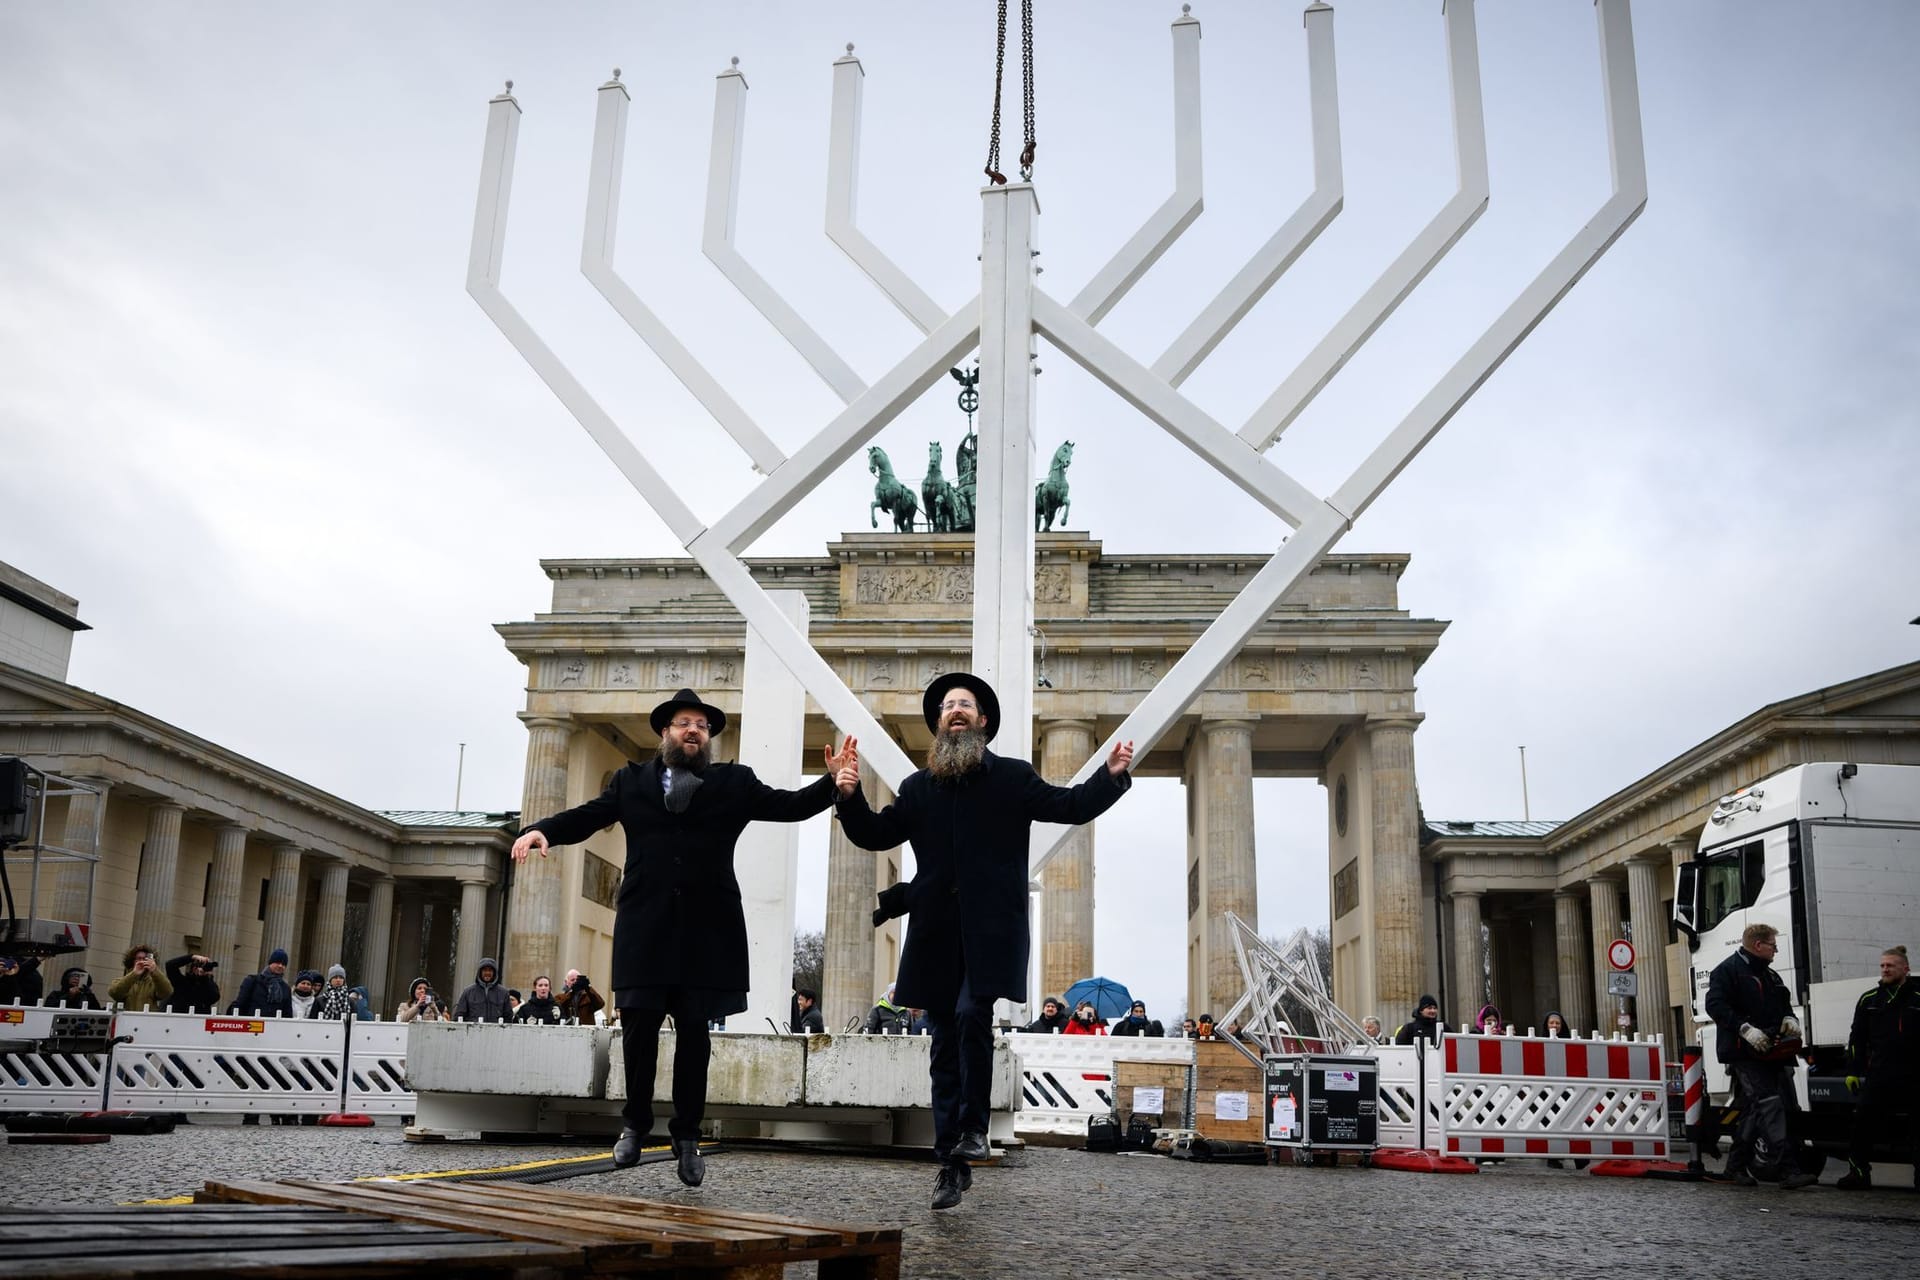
<point x="1110" y="999"/>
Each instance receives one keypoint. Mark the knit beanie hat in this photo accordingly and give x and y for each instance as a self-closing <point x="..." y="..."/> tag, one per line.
<point x="336" y="971"/>
<point x="279" y="956"/>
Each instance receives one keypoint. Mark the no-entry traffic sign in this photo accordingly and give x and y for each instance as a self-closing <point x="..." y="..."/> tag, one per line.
<point x="1620" y="954"/>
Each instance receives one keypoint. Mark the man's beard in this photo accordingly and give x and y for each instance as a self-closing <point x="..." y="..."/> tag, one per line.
<point x="674" y="756"/>
<point x="956" y="754"/>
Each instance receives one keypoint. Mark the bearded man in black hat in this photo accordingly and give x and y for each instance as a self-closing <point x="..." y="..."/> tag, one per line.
<point x="968" y="814"/>
<point x="679" y="934"/>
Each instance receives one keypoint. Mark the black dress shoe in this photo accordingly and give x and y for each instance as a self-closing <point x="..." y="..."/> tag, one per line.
<point x="689" y="1163"/>
<point x="972" y="1146"/>
<point x="626" y="1152"/>
<point x="948" y="1187"/>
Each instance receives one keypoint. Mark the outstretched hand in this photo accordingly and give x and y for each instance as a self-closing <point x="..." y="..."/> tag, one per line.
<point x="527" y="843"/>
<point x="1120" y="759"/>
<point x="845" y="766"/>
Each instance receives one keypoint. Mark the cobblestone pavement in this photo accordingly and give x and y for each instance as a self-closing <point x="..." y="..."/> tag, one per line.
<point x="1047" y="1212"/>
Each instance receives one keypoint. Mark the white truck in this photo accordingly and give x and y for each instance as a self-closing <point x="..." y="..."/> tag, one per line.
<point x="1828" y="854"/>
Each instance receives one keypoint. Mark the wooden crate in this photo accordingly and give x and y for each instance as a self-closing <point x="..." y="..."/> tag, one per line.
<point x="1219" y="1067"/>
<point x="1170" y="1076"/>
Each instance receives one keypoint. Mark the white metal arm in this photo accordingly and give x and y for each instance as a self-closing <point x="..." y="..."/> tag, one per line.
<point x="1321" y="206"/>
<point x="1157" y="234"/>
<point x="596" y="263"/>
<point x="1420" y="256"/>
<point x="723" y="191"/>
<point x="843" y="180"/>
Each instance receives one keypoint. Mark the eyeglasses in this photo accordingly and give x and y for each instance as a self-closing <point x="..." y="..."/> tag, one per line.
<point x="959" y="704"/>
<point x="684" y="724"/>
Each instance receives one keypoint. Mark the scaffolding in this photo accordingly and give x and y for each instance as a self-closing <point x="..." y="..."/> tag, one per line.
<point x="41" y="881"/>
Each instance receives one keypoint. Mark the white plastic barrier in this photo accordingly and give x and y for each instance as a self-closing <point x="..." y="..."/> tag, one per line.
<point x="1064" y="1079"/>
<point x="45" y="1081"/>
<point x="377" y="1069"/>
<point x="1544" y="1097"/>
<point x="1401" y="1092"/>
<point x="192" y="1062"/>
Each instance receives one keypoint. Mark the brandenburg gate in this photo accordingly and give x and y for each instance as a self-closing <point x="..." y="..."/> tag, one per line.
<point x="1323" y="690"/>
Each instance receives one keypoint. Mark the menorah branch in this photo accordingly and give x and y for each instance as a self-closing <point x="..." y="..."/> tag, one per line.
<point x="596" y="263"/>
<point x="723" y="191"/>
<point x="1319" y="209"/>
<point x="1421" y="255"/>
<point x="1157" y="234"/>
<point x="843" y="179"/>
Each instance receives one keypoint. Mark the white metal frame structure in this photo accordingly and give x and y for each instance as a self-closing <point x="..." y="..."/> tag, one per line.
<point x="1272" y="973"/>
<point x="1003" y="320"/>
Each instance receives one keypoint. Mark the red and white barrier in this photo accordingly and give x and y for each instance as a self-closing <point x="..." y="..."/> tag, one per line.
<point x="1548" y="1097"/>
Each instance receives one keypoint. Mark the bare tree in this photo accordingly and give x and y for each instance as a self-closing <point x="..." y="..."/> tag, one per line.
<point x="1297" y="1015"/>
<point x="809" y="959"/>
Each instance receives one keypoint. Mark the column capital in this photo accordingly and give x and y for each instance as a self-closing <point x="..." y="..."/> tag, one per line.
<point x="241" y="827"/>
<point x="1209" y="725"/>
<point x="546" y="722"/>
<point x="1458" y="895"/>
<point x="1571" y="895"/>
<point x="164" y="805"/>
<point x="1067" y="723"/>
<point x="1658" y="855"/>
<point x="1684" y="846"/>
<point x="1409" y="723"/>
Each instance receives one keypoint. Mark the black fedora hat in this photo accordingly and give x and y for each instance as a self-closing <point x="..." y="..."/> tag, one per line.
<point x="687" y="698"/>
<point x="982" y="693"/>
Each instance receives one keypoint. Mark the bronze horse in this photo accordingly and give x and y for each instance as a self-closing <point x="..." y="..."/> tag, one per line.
<point x="889" y="494"/>
<point x="1050" y="495"/>
<point x="937" y="497"/>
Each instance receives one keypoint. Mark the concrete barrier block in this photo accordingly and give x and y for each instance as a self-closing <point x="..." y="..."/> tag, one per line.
<point x="506" y="1058"/>
<point x="890" y="1071"/>
<point x="744" y="1071"/>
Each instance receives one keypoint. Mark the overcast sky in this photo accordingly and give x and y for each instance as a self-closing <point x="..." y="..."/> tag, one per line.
<point x="250" y="418"/>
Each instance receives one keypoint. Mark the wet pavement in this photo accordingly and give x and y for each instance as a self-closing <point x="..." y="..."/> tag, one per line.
<point x="1052" y="1212"/>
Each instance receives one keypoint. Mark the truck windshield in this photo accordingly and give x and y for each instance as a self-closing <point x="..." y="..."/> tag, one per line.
<point x="1730" y="881"/>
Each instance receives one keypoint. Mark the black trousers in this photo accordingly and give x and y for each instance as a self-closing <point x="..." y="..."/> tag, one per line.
<point x="692" y="1050"/>
<point x="1875" y="1116"/>
<point x="1765" y="1094"/>
<point x="962" y="1067"/>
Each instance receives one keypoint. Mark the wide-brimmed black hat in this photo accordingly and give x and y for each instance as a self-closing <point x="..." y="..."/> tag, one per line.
<point x="982" y="693"/>
<point x="716" y="718"/>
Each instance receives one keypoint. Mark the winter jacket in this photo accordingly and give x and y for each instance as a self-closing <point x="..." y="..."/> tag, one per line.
<point x="1046" y="1026"/>
<point x="1419" y="1028"/>
<point x="812" y="1022"/>
<point x="1745" y="989"/>
<point x="138" y="991"/>
<point x="1136" y="1026"/>
<point x="579" y="1003"/>
<point x="888" y="1018"/>
<point x="968" y="896"/>
<point x="1075" y="1027"/>
<point x="678" y="918"/>
<point x="82" y="999"/>
<point x="192" y="992"/>
<point x="408" y="1011"/>
<point x="484" y="1001"/>
<point x="333" y="1003"/>
<point x="539" y="1009"/>
<point x="1885" y="1040"/>
<point x="265" y="992"/>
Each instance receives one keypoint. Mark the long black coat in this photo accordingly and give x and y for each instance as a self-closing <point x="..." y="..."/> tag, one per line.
<point x="678" y="917"/>
<point x="969" y="892"/>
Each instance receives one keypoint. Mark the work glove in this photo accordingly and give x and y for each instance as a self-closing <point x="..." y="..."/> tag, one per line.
<point x="893" y="902"/>
<point x="1790" y="1028"/>
<point x="1854" y="1083"/>
<point x="1758" y="1040"/>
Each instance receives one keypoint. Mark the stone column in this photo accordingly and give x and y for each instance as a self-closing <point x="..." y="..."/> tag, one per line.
<point x="379" y="939"/>
<point x="70" y="895"/>
<point x="407" y="939"/>
<point x="534" y="907"/>
<point x="1066" y="896"/>
<point x="1649" y="940"/>
<point x="1573" y="957"/>
<point x="446" y="979"/>
<point x="1396" y="865"/>
<point x="1469" y="960"/>
<point x="1227" y="858"/>
<point x="330" y="921"/>
<point x="159" y="866"/>
<point x="220" y="928"/>
<point x="473" y="937"/>
<point x="1605" y="896"/>
<point x="848" y="983"/>
<point x="283" y="904"/>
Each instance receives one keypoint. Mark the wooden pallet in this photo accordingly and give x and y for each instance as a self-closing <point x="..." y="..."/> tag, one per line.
<point x="253" y="1240"/>
<point x="610" y="1233"/>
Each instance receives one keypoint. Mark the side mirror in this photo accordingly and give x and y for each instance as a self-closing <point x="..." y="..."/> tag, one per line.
<point x="1685" y="880"/>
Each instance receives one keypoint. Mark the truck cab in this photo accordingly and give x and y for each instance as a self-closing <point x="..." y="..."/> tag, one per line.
<point x="1829" y="855"/>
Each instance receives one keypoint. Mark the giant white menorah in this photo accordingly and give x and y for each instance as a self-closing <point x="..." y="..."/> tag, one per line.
<point x="1002" y="321"/>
